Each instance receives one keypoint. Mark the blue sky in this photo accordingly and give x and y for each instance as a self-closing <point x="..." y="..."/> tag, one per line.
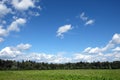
<point x="60" y="30"/>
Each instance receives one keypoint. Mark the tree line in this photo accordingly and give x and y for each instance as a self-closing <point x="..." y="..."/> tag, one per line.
<point x="32" y="65"/>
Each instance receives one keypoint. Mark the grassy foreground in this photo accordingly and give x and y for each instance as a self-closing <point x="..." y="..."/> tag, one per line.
<point x="61" y="75"/>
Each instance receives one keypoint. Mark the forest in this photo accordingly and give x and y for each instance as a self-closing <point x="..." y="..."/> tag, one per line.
<point x="32" y="65"/>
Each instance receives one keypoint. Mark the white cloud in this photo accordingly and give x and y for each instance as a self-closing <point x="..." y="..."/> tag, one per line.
<point x="4" y="10"/>
<point x="88" y="57"/>
<point x="9" y="52"/>
<point x="82" y="57"/>
<point x="14" y="26"/>
<point x="1" y="39"/>
<point x="39" y="7"/>
<point x="17" y="53"/>
<point x="63" y="29"/>
<point x="116" y="39"/>
<point x="89" y="22"/>
<point x="101" y="54"/>
<point x="14" y="13"/>
<point x="92" y="50"/>
<point x="23" y="46"/>
<point x="44" y="57"/>
<point x="15" y="17"/>
<point x="13" y="52"/>
<point x="23" y="4"/>
<point x="108" y="53"/>
<point x="83" y="17"/>
<point x="112" y="43"/>
<point x="33" y="13"/>
<point x="97" y="57"/>
<point x="117" y="56"/>
<point x="108" y="46"/>
<point x="3" y="32"/>
<point x="87" y="49"/>
<point x="116" y="49"/>
<point x="86" y="19"/>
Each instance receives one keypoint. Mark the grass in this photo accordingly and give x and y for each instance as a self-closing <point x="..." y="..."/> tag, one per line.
<point x="61" y="75"/>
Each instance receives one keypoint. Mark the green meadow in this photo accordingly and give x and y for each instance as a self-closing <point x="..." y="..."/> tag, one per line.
<point x="61" y="75"/>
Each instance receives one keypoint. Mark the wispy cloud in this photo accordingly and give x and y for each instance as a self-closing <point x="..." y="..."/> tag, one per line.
<point x="63" y="29"/>
<point x="1" y="39"/>
<point x="86" y="19"/>
<point x="14" y="26"/>
<point x="89" y="22"/>
<point x="83" y="17"/>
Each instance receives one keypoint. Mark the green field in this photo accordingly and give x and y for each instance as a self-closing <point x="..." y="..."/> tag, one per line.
<point x="60" y="75"/>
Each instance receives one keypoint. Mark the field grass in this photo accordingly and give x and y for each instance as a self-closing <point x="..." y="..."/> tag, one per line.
<point x="61" y="75"/>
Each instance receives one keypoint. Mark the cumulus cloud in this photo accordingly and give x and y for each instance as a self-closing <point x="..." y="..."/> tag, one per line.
<point x="87" y="49"/>
<point x="86" y="19"/>
<point x="23" y="4"/>
<point x="107" y="53"/>
<point x="3" y="32"/>
<point x="4" y="10"/>
<point x="9" y="52"/>
<point x="12" y="52"/>
<point x="116" y="49"/>
<point x="111" y="44"/>
<point x="63" y="29"/>
<point x="92" y="50"/>
<point x="18" y="53"/>
<point x="18" y="12"/>
<point x="96" y="57"/>
<point x="87" y="55"/>
<point x="44" y="57"/>
<point x="23" y="46"/>
<point x="115" y="39"/>
<point x="82" y="57"/>
<point x="14" y="26"/>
